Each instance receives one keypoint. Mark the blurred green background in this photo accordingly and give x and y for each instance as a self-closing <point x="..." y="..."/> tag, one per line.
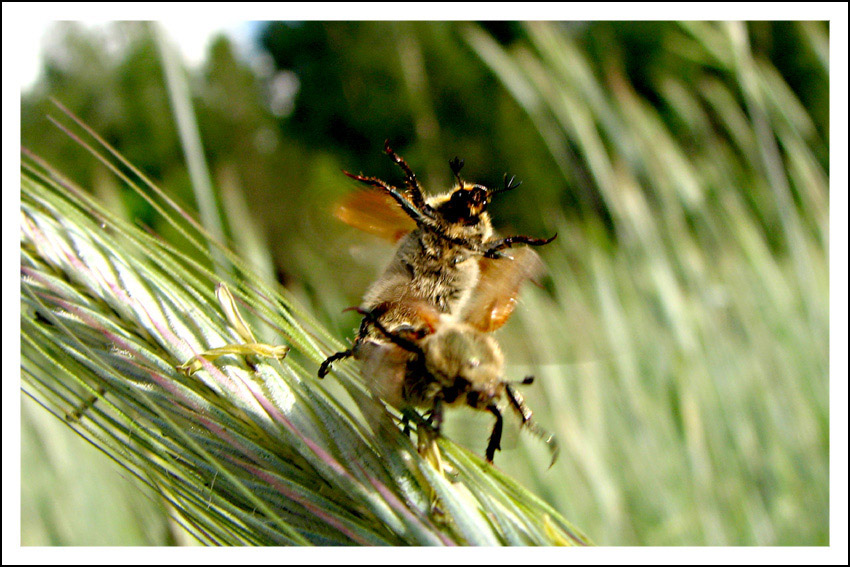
<point x="680" y="340"/>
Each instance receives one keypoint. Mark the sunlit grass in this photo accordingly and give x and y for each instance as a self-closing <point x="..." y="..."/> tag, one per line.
<point x="680" y="345"/>
<point x="688" y="358"/>
<point x="244" y="451"/>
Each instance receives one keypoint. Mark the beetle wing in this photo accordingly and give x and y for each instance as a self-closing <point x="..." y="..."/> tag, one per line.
<point x="494" y="298"/>
<point x="376" y="213"/>
<point x="384" y="366"/>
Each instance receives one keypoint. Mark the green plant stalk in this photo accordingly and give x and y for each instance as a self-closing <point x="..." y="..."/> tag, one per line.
<point x="684" y="348"/>
<point x="246" y="450"/>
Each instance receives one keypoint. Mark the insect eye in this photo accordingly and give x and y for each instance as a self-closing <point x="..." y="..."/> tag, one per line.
<point x="472" y="198"/>
<point x="460" y="196"/>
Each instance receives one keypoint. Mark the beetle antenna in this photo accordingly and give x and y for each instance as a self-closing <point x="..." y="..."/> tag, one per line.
<point x="507" y="184"/>
<point x="457" y="164"/>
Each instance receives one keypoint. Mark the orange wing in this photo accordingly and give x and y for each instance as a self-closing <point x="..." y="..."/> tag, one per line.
<point x="376" y="213"/>
<point x="494" y="298"/>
